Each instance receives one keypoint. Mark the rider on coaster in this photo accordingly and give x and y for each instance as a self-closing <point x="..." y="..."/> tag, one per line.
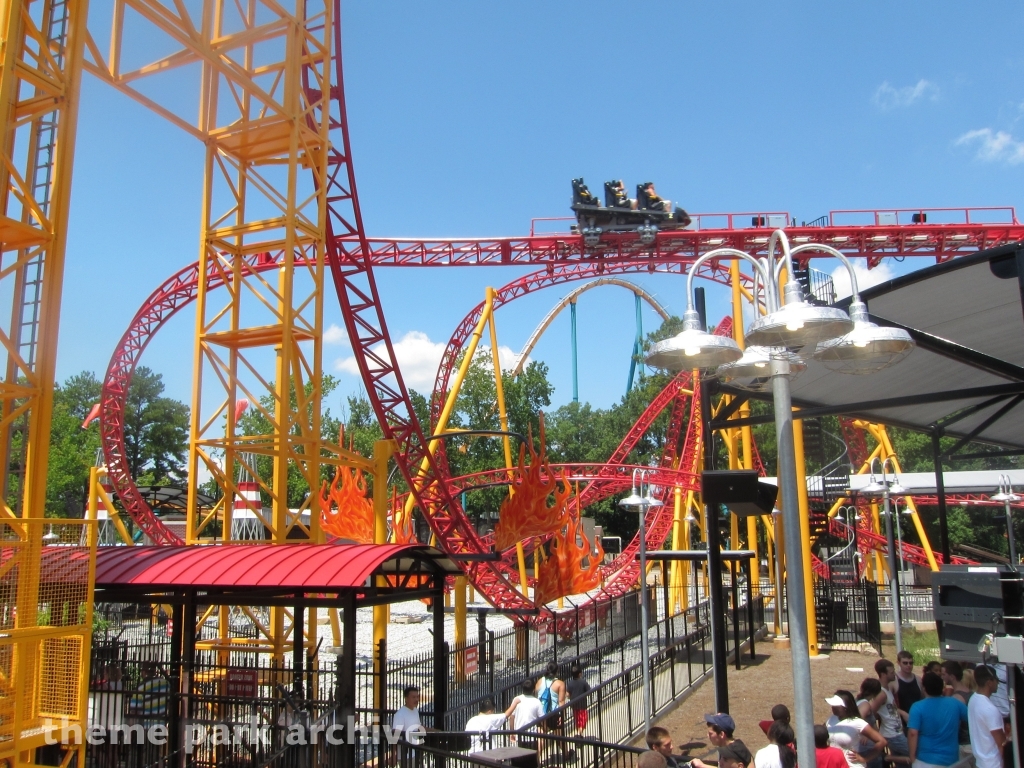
<point x="615" y="196"/>
<point x="647" y="198"/>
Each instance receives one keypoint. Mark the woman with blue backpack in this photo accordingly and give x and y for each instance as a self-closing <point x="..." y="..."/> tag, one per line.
<point x="552" y="694"/>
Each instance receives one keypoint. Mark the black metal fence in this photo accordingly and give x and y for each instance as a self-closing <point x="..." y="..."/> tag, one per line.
<point x="242" y="707"/>
<point x="847" y="614"/>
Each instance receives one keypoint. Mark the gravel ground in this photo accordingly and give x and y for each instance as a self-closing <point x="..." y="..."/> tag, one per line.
<point x="756" y="688"/>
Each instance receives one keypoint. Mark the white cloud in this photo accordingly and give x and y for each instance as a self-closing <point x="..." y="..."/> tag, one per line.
<point x="418" y="358"/>
<point x="507" y="357"/>
<point x="335" y="334"/>
<point x="889" y="97"/>
<point x="865" y="277"/>
<point x="995" y="145"/>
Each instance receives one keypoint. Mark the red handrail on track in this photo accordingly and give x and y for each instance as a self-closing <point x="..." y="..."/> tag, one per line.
<point x="881" y="215"/>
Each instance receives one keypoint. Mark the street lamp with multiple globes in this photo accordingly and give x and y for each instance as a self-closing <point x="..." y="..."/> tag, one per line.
<point x="886" y="488"/>
<point x="642" y="501"/>
<point x="849" y="343"/>
<point x="1006" y="495"/>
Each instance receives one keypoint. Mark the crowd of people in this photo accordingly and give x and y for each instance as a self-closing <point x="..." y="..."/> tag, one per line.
<point x="949" y="714"/>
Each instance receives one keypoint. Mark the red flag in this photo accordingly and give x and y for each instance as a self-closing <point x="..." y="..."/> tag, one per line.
<point x="93" y="415"/>
<point x="240" y="407"/>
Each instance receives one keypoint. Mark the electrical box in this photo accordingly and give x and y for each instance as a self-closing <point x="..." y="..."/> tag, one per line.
<point x="968" y="604"/>
<point x="740" y="490"/>
<point x="1010" y="649"/>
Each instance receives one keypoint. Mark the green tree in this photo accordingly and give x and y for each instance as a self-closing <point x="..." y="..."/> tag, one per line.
<point x="72" y="449"/>
<point x="155" y="432"/>
<point x="156" y="438"/>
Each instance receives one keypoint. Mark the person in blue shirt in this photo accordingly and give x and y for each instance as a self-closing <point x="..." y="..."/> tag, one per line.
<point x="934" y="725"/>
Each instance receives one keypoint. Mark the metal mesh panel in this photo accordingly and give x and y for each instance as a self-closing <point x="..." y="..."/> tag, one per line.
<point x="46" y="616"/>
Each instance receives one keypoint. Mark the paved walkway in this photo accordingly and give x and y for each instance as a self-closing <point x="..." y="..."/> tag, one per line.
<point x="757" y="687"/>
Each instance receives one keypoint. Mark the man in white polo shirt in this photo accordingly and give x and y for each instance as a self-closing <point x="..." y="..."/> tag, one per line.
<point x="985" y="721"/>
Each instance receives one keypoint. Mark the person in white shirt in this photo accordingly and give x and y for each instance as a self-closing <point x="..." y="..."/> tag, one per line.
<point x="481" y="725"/>
<point x="985" y="721"/>
<point x="525" y="708"/>
<point x="846" y="730"/>
<point x="779" y="753"/>
<point x="407" y="719"/>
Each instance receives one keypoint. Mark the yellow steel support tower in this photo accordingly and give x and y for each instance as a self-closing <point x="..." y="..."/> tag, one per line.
<point x="39" y="89"/>
<point x="259" y="72"/>
<point x="47" y="612"/>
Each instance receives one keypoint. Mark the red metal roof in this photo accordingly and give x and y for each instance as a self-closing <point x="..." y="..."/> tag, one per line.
<point x="307" y="567"/>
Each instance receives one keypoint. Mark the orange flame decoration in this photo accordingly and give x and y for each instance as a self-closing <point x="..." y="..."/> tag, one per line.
<point x="345" y="511"/>
<point x="526" y="512"/>
<point x="401" y="526"/>
<point x="563" y="573"/>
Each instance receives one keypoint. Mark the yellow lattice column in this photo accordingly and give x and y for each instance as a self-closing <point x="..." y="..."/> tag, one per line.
<point x="40" y="74"/>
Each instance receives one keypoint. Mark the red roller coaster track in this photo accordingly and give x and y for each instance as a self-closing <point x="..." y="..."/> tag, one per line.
<point x="352" y="257"/>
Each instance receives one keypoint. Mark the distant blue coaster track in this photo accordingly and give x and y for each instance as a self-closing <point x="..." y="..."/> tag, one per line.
<point x="570" y="301"/>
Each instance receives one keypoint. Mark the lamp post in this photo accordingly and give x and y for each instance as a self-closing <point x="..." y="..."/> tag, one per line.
<point x="1006" y="495"/>
<point x="642" y="501"/>
<point x="887" y="488"/>
<point x="780" y="589"/>
<point x="848" y="343"/>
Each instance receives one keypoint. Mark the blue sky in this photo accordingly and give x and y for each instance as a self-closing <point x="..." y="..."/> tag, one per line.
<point x="470" y="118"/>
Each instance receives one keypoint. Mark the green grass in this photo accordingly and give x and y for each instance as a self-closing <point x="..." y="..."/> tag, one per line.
<point x="924" y="645"/>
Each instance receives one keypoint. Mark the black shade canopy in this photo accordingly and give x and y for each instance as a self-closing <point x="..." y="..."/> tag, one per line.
<point x="966" y="376"/>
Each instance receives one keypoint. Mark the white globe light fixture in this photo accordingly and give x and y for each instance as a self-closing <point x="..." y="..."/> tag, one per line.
<point x="868" y="348"/>
<point x="695" y="347"/>
<point x="795" y="322"/>
<point x="753" y="371"/>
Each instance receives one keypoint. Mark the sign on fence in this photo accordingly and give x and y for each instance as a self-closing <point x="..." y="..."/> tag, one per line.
<point x="472" y="660"/>
<point x="542" y="634"/>
<point x="241" y="683"/>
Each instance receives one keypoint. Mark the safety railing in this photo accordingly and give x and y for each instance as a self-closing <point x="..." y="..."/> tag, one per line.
<point x="916" y="604"/>
<point x="743" y="220"/>
<point x="893" y="217"/>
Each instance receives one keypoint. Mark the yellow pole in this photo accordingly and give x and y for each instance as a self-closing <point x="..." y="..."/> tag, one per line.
<point x="746" y="437"/>
<point x="506" y="442"/>
<point x="770" y="556"/>
<point x="805" y="535"/>
<point x="881" y="564"/>
<point x="460" y="629"/>
<point x="677" y="536"/>
<point x="98" y="495"/>
<point x="382" y="453"/>
<point x="449" y="404"/>
<point x="499" y="386"/>
<point x="684" y="575"/>
<point x="94" y="487"/>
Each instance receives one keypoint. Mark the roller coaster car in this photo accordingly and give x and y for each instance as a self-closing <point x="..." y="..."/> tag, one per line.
<point x="644" y="216"/>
